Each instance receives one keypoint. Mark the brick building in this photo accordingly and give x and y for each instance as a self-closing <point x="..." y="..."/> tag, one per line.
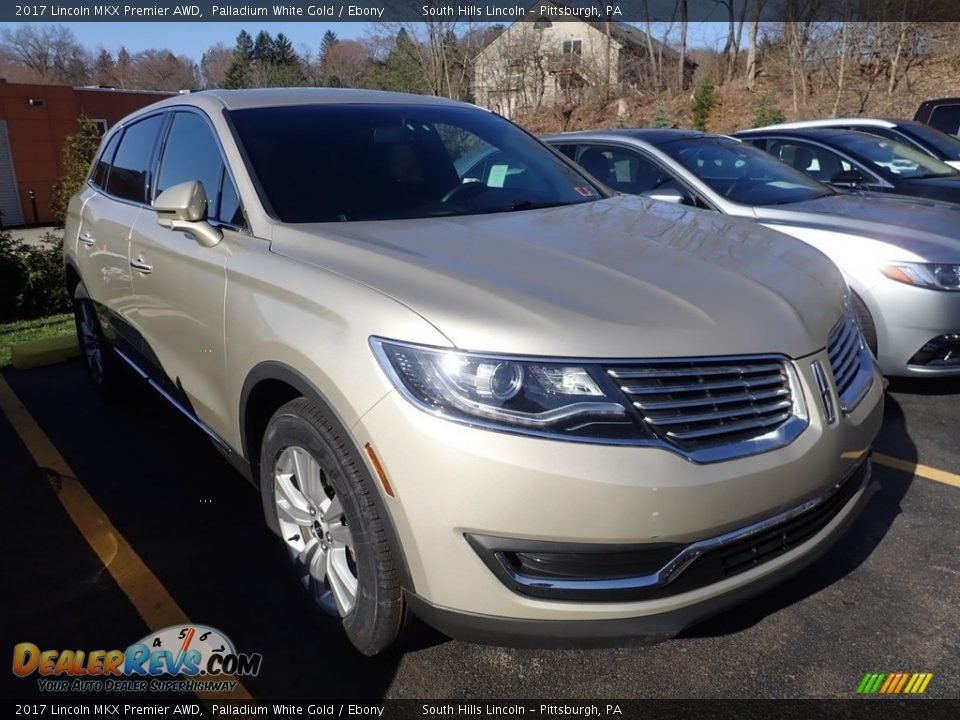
<point x="34" y="121"/>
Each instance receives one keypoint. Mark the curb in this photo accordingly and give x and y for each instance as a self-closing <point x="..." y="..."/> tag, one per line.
<point x="47" y="351"/>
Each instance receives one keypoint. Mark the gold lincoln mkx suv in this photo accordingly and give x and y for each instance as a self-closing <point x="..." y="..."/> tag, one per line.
<point x="470" y="382"/>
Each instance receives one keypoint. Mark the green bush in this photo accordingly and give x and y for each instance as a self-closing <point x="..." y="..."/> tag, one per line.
<point x="703" y="99"/>
<point x="766" y="110"/>
<point x="661" y="118"/>
<point x="79" y="150"/>
<point x="31" y="278"/>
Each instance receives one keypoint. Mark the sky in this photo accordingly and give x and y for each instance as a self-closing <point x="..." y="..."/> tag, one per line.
<point x="191" y="39"/>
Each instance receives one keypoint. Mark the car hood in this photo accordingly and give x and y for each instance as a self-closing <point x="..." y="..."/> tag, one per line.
<point x="930" y="229"/>
<point x="623" y="277"/>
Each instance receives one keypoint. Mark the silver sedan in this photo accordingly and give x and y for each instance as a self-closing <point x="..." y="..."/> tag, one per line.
<point x="900" y="256"/>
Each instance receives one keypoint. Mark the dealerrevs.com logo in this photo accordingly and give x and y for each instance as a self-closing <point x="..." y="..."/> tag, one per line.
<point x="203" y="657"/>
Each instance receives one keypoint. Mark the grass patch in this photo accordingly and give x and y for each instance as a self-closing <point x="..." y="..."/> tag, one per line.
<point x="25" y="330"/>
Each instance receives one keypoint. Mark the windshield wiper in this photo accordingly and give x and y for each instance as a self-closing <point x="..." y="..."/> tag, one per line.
<point x="531" y="205"/>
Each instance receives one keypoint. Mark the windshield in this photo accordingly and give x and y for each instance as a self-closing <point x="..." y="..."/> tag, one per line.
<point x="743" y="173"/>
<point x="948" y="146"/>
<point x="891" y="158"/>
<point x="341" y="163"/>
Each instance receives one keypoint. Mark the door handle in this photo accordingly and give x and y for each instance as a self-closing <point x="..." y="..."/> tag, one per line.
<point x="141" y="267"/>
<point x="86" y="238"/>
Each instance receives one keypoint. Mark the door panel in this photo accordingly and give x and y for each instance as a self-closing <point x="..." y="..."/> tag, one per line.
<point x="180" y="295"/>
<point x="103" y="254"/>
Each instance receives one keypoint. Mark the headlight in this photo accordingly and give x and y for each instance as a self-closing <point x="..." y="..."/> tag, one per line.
<point x="937" y="276"/>
<point x="525" y="395"/>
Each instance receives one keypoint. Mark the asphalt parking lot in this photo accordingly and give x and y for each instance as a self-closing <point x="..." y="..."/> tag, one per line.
<point x="884" y="599"/>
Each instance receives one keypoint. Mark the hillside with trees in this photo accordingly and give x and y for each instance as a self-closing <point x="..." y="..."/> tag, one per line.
<point x="760" y="71"/>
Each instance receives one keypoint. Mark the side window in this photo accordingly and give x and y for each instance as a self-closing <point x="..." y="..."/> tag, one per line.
<point x="191" y="153"/>
<point x="622" y="170"/>
<point x="129" y="175"/>
<point x="102" y="167"/>
<point x="946" y="118"/>
<point x="817" y="162"/>
<point x="569" y="150"/>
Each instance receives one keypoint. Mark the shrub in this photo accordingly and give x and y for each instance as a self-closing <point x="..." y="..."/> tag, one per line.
<point x="31" y="278"/>
<point x="703" y="99"/>
<point x="766" y="110"/>
<point x="661" y="119"/>
<point x="79" y="150"/>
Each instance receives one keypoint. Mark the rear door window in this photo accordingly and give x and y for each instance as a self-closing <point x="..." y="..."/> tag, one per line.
<point x="946" y="118"/>
<point x="130" y="175"/>
<point x="102" y="168"/>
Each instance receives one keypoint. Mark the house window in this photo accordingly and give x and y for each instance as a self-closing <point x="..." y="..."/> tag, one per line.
<point x="572" y="47"/>
<point x="101" y="125"/>
<point x="515" y="67"/>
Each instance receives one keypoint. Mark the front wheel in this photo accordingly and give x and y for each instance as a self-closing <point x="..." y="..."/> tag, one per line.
<point x="333" y="536"/>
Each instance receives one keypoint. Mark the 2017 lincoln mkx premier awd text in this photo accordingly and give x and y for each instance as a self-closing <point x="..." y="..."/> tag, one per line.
<point x="519" y="407"/>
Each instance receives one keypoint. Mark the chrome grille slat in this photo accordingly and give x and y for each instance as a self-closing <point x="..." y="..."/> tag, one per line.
<point x="721" y="415"/>
<point x="843" y="350"/>
<point x="756" y="424"/>
<point x="654" y="405"/>
<point x="702" y="404"/>
<point x="740" y="384"/>
<point x="642" y="373"/>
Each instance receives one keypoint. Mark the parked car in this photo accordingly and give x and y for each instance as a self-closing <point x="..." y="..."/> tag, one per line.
<point x="856" y="160"/>
<point x="517" y="406"/>
<point x="942" y="114"/>
<point x="929" y="140"/>
<point x="900" y="257"/>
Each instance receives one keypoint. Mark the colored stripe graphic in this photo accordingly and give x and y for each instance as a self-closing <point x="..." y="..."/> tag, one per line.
<point x="894" y="683"/>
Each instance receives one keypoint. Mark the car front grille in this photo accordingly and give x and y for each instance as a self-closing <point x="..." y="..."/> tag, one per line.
<point x="843" y="348"/>
<point x="704" y="403"/>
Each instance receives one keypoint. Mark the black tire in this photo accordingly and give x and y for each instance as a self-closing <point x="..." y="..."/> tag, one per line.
<point x="378" y="614"/>
<point x="865" y="320"/>
<point x="103" y="367"/>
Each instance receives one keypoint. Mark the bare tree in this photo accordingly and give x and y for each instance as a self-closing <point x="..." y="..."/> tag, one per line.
<point x="162" y="70"/>
<point x="751" y="71"/>
<point x="683" y="11"/>
<point x="214" y="64"/>
<point x="51" y="52"/>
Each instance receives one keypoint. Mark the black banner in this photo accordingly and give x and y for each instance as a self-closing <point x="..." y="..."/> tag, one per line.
<point x="490" y="11"/>
<point x="913" y="709"/>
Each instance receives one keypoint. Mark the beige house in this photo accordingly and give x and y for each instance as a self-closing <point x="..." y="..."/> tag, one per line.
<point x="542" y="61"/>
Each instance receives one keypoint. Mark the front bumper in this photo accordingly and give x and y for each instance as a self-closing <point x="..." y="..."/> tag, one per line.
<point x="452" y="481"/>
<point x="517" y="632"/>
<point x="909" y="319"/>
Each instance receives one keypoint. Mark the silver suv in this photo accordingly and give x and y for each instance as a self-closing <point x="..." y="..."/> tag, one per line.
<point x="503" y="400"/>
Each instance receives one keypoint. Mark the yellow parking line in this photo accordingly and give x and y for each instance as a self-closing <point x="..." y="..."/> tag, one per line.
<point x="924" y="471"/>
<point x="144" y="590"/>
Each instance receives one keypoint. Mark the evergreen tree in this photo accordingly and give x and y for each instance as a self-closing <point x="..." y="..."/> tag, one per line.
<point x="703" y="99"/>
<point x="766" y="110"/>
<point x="329" y="40"/>
<point x="661" y="119"/>
<point x="239" y="73"/>
<point x="263" y="48"/>
<point x="283" y="52"/>
<point x="400" y="70"/>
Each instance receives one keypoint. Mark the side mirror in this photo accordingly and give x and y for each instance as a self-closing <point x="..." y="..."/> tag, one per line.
<point x="183" y="207"/>
<point x="670" y="195"/>
<point x="851" y="178"/>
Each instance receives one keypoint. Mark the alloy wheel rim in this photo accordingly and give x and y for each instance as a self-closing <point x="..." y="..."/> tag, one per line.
<point x="314" y="528"/>
<point x="90" y="340"/>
